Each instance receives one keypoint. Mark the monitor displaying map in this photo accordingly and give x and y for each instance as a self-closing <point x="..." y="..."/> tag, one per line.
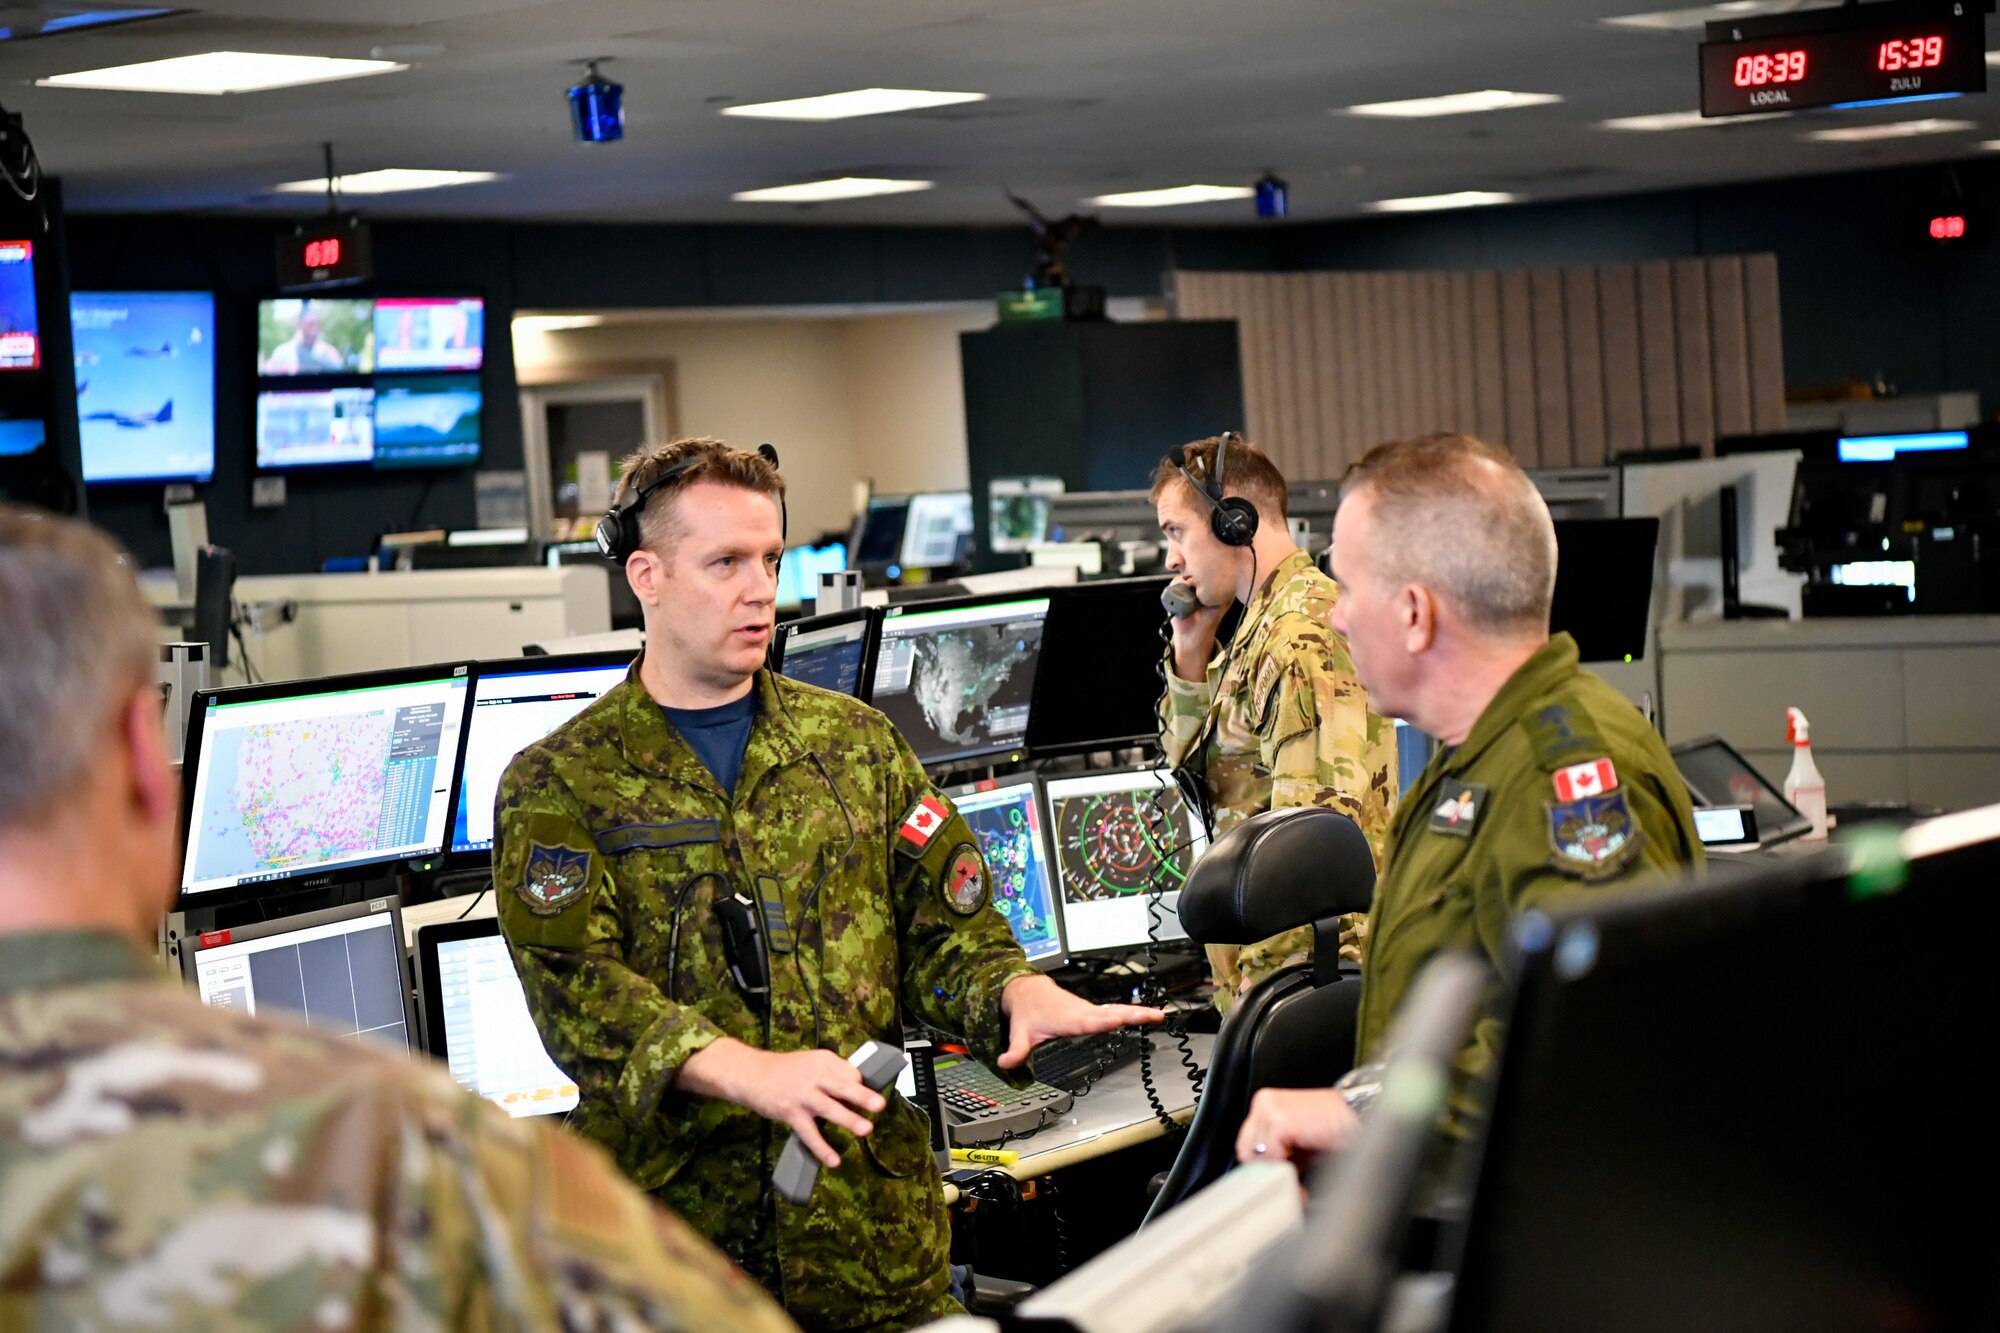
<point x="1124" y="845"/>
<point x="956" y="680"/>
<point x="297" y="780"/>
<point x="1006" y="816"/>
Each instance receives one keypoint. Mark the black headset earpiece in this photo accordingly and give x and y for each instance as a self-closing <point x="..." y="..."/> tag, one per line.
<point x="618" y="534"/>
<point x="1232" y="519"/>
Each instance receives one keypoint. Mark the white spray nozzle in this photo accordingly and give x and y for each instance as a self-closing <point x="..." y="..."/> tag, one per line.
<point x="1797" y="729"/>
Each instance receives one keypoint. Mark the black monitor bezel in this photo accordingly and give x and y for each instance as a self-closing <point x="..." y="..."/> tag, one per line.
<point x="197" y="726"/>
<point x="1032" y="780"/>
<point x="1767" y="836"/>
<point x="783" y="633"/>
<point x="511" y="666"/>
<point x="1083" y="591"/>
<point x="193" y="946"/>
<point x="973" y="602"/>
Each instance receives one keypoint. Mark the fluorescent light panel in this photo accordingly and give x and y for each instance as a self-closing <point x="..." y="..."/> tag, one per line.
<point x="842" y="187"/>
<point x="1428" y="203"/>
<point x="860" y="102"/>
<point x="1686" y="20"/>
<point x="1172" y="196"/>
<point x="389" y="180"/>
<point x="1684" y="120"/>
<point x="1453" y="104"/>
<point x="1899" y="129"/>
<point x="216" y="72"/>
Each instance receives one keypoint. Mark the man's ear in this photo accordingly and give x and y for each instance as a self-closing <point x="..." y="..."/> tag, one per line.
<point x="644" y="571"/>
<point x="142" y="732"/>
<point x="1419" y="611"/>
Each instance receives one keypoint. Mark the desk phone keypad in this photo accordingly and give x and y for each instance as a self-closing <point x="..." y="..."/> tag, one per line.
<point x="981" y="1107"/>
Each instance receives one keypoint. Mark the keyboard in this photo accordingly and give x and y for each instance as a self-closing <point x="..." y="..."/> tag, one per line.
<point x="1074" y="1063"/>
<point x="979" y="1107"/>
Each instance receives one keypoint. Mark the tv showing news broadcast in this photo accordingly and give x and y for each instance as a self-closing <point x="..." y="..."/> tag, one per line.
<point x="315" y="337"/>
<point x="429" y="332"/>
<point x="20" y="331"/>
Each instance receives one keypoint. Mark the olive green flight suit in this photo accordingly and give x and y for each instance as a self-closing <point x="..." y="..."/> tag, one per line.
<point x="615" y="845"/>
<point x="1520" y="813"/>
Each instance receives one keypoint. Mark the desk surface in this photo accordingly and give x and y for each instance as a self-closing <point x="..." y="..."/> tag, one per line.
<point x="1114" y="1115"/>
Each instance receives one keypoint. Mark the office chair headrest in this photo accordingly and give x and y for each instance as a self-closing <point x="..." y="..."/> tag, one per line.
<point x="1277" y="870"/>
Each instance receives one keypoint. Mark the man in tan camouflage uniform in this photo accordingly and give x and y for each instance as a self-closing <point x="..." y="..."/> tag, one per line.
<point x="168" y="1166"/>
<point x="704" y="785"/>
<point x="1277" y="718"/>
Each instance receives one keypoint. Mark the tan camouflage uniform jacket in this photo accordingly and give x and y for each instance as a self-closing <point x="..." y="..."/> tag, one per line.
<point x="1289" y="725"/>
<point x="167" y="1166"/>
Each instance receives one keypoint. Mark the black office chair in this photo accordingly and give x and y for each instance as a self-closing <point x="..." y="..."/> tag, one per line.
<point x="1294" y="867"/>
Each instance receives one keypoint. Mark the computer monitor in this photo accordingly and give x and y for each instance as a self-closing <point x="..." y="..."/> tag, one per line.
<point x="514" y="704"/>
<point x="1745" y="1104"/>
<point x="1717" y="775"/>
<point x="20" y="324"/>
<point x="429" y="332"/>
<point x="476" y="1020"/>
<point x="1604" y="585"/>
<point x="1098" y="683"/>
<point x="834" y="651"/>
<point x="320" y="427"/>
<point x="340" y="969"/>
<point x="878" y="534"/>
<point x="145" y="384"/>
<point x="1018" y="511"/>
<point x="1006" y="816"/>
<point x="1121" y="839"/>
<point x="315" y="336"/>
<point x="936" y="529"/>
<point x="956" y="678"/>
<point x="798" y="574"/>
<point x="312" y="781"/>
<point x="427" y="421"/>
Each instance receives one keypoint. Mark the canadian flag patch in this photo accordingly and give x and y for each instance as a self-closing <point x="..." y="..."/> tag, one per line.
<point x="1581" y="780"/>
<point x="923" y="822"/>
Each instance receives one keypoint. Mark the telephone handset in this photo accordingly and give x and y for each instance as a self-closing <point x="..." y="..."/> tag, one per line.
<point x="1178" y="600"/>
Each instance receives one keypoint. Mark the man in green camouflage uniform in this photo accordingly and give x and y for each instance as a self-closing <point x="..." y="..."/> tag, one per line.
<point x="1547" y="782"/>
<point x="164" y="1165"/>
<point x="620" y="836"/>
<point x="1277" y="718"/>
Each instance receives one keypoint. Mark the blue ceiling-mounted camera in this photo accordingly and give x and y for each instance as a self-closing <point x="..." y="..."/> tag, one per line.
<point x="597" y="108"/>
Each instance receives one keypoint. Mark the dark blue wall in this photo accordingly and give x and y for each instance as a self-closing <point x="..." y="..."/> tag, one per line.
<point x="1859" y="298"/>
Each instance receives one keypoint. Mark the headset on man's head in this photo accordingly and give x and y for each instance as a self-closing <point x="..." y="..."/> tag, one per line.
<point x="618" y="534"/>
<point x="1232" y="519"/>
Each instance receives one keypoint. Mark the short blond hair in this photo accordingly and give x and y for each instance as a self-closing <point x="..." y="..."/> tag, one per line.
<point x="713" y="461"/>
<point x="1246" y="471"/>
<point x="1459" y="516"/>
<point x="76" y="638"/>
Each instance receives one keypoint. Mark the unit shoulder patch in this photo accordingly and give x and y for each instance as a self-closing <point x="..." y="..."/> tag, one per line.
<point x="554" y="877"/>
<point x="1458" y="808"/>
<point x="1593" y="837"/>
<point x="965" y="884"/>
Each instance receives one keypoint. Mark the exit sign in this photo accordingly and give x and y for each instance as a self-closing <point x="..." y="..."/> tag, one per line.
<point x="332" y="251"/>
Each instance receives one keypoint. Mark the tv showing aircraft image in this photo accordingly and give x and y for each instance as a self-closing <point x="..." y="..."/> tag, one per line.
<point x="426" y="420"/>
<point x="20" y="330"/>
<point x="145" y="384"/>
<point x="315" y="337"/>
<point x="429" y="332"/>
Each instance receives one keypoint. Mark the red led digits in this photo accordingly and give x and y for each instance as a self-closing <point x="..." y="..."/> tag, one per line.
<point x="1916" y="53"/>
<point x="1775" y="67"/>
<point x="1948" y="228"/>
<point x="323" y="254"/>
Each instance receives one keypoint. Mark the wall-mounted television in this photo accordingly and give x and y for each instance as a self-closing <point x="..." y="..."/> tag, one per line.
<point x="20" y="330"/>
<point x="145" y="384"/>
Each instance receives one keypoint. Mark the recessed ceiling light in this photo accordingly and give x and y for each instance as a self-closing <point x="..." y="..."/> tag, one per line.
<point x="1427" y="203"/>
<point x="1993" y="59"/>
<point x="843" y="187"/>
<point x="1991" y="145"/>
<point x="389" y="180"/>
<point x="555" y="323"/>
<point x="1684" y="20"/>
<point x="1685" y="120"/>
<point x="860" y="102"/>
<point x="1454" y="104"/>
<point x="1899" y="129"/>
<point x="1172" y="195"/>
<point x="216" y="72"/>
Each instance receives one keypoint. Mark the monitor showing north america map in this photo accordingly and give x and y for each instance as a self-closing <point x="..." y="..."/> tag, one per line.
<point x="957" y="681"/>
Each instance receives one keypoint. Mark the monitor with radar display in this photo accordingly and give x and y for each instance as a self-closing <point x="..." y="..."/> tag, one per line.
<point x="320" y="778"/>
<point x="832" y="651"/>
<point x="515" y="704"/>
<point x="1006" y="816"/>
<point x="956" y="678"/>
<point x="1120" y="840"/>
<point x="476" y="1020"/>
<point x="935" y="529"/>
<point x="340" y="969"/>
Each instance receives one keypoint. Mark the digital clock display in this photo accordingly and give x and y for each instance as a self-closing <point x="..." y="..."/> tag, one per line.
<point x="1847" y="60"/>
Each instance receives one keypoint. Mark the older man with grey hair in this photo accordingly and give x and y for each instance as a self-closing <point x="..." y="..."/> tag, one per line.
<point x="163" y="1164"/>
<point x="1546" y="781"/>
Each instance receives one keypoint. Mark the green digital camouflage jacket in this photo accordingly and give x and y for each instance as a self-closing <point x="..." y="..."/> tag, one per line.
<point x="167" y="1166"/>
<point x="1289" y="725"/>
<point x="1560" y="786"/>
<point x="614" y="846"/>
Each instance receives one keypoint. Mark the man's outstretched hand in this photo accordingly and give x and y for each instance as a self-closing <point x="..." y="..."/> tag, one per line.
<point x="1037" y="1009"/>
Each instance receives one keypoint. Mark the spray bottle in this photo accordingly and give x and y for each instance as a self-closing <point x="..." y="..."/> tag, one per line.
<point x="1804" y="787"/>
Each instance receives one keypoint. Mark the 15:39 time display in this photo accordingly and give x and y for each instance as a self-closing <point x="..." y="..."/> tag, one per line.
<point x="1915" y="53"/>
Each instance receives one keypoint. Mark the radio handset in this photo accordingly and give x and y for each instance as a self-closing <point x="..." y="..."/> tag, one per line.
<point x="743" y="947"/>
<point x="1177" y="599"/>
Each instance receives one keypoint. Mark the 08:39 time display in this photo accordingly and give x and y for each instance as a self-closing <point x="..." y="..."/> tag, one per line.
<point x="1761" y="71"/>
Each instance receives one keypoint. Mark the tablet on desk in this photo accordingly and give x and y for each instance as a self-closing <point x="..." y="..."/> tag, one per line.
<point x="1726" y="828"/>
